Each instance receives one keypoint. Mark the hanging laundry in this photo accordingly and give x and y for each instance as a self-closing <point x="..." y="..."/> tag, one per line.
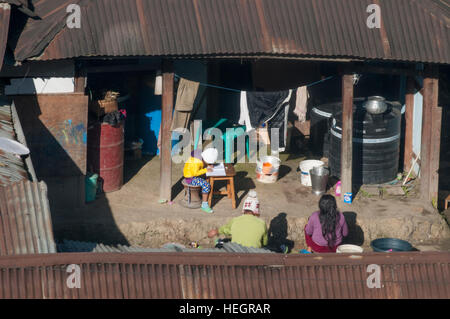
<point x="186" y="94"/>
<point x="270" y="108"/>
<point x="301" y="102"/>
<point x="244" y="118"/>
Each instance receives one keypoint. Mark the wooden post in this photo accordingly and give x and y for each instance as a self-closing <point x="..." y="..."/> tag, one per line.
<point x="166" y="136"/>
<point x="436" y="123"/>
<point x="429" y="156"/>
<point x="347" y="134"/>
<point x="409" y="113"/>
<point x="79" y="79"/>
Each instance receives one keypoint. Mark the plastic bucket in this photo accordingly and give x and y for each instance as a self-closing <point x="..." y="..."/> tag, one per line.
<point x="349" y="249"/>
<point x="91" y="187"/>
<point x="305" y="167"/>
<point x="390" y="245"/>
<point x="267" y="169"/>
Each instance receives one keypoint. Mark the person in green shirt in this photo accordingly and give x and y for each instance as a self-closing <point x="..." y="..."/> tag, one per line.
<point x="248" y="229"/>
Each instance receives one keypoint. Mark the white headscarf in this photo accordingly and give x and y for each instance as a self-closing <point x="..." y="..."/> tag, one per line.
<point x="210" y="155"/>
<point x="251" y="203"/>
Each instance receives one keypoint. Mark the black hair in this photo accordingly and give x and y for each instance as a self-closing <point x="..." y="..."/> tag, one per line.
<point x="328" y="217"/>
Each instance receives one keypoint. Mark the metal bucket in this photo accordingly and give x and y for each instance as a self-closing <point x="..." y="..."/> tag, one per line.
<point x="319" y="179"/>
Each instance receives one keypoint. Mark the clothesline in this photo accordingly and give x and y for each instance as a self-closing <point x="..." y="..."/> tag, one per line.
<point x="234" y="90"/>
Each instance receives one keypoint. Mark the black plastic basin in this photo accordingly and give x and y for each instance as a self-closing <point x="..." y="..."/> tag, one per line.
<point x="390" y="244"/>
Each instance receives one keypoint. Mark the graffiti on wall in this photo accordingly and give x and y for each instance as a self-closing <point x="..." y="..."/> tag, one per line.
<point x="69" y="134"/>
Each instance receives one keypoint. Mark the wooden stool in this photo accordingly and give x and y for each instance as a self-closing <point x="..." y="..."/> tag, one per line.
<point x="192" y="197"/>
<point x="229" y="178"/>
<point x="447" y="200"/>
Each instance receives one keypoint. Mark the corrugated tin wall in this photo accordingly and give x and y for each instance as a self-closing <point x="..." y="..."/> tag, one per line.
<point x="25" y="221"/>
<point x="5" y="12"/>
<point x="214" y="275"/>
<point x="12" y="168"/>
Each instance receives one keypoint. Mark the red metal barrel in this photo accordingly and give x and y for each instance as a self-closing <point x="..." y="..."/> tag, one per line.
<point x="105" y="154"/>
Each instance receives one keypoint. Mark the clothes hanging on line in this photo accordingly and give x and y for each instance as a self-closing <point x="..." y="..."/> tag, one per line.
<point x="301" y="103"/>
<point x="280" y="121"/>
<point x="186" y="94"/>
<point x="270" y="108"/>
<point x="244" y="118"/>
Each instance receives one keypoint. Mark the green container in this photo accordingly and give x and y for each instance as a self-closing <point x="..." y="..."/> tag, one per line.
<point x="91" y="187"/>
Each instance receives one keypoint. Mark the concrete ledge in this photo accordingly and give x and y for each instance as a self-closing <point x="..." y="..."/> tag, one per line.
<point x="159" y="231"/>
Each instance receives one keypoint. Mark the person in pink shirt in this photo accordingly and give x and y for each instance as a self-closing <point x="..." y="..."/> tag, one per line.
<point x="325" y="228"/>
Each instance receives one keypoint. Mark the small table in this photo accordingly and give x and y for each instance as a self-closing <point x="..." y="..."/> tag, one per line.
<point x="229" y="178"/>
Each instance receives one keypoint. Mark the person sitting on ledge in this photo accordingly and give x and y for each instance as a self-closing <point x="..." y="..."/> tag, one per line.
<point x="194" y="169"/>
<point x="248" y="229"/>
<point x="325" y="228"/>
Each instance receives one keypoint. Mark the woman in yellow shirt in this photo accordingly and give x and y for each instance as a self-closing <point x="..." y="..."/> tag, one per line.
<point x="195" y="167"/>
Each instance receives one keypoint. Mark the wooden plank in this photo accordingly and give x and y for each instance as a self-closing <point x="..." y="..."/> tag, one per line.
<point x="166" y="121"/>
<point x="347" y="133"/>
<point x="79" y="79"/>
<point x="429" y="137"/>
<point x="385" y="70"/>
<point x="426" y="139"/>
<point x="436" y="124"/>
<point x="409" y="116"/>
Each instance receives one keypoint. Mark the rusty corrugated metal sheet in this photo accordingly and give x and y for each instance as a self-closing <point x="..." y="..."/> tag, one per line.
<point x="5" y="13"/>
<point x="12" y="168"/>
<point x="25" y="221"/>
<point x="412" y="30"/>
<point x="215" y="275"/>
<point x="79" y="246"/>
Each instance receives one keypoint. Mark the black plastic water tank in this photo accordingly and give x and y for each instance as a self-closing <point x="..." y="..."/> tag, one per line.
<point x="321" y="121"/>
<point x="376" y="146"/>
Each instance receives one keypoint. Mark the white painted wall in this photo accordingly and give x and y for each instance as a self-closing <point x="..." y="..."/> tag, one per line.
<point x="40" y="86"/>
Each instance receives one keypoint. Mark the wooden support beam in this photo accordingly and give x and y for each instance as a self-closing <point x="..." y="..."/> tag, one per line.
<point x="80" y="79"/>
<point x="166" y="136"/>
<point x="436" y="124"/>
<point x="347" y="134"/>
<point x="361" y="68"/>
<point x="429" y="159"/>
<point x="409" y="117"/>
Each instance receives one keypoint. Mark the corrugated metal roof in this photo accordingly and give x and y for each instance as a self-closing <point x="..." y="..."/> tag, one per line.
<point x="5" y="13"/>
<point x="25" y="221"/>
<point x="216" y="275"/>
<point x="412" y="30"/>
<point x="78" y="246"/>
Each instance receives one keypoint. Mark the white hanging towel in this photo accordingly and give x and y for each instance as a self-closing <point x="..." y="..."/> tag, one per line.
<point x="301" y="102"/>
<point x="244" y="118"/>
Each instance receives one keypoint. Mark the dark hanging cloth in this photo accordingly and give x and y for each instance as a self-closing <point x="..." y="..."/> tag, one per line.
<point x="269" y="107"/>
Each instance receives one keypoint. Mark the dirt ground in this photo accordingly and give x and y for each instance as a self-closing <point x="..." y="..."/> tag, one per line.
<point x="134" y="216"/>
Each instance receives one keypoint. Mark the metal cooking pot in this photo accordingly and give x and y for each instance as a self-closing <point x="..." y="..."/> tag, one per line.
<point x="375" y="105"/>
